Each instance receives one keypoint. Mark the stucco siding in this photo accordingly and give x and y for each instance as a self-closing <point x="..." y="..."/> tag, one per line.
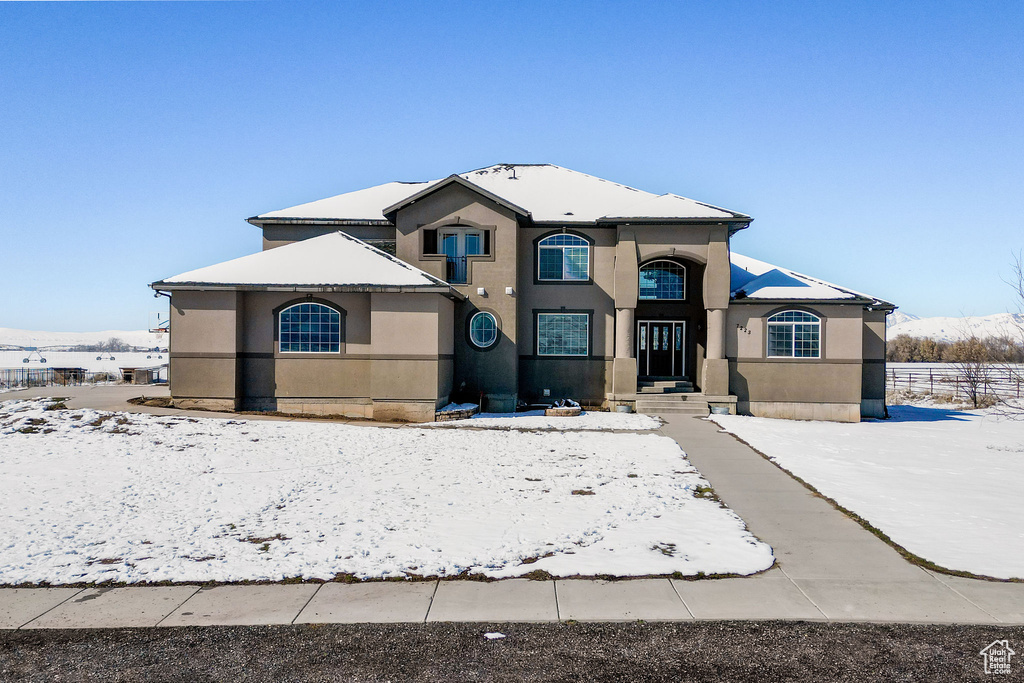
<point x="493" y="371"/>
<point x="583" y="379"/>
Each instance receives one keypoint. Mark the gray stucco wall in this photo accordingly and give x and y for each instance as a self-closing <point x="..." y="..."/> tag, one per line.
<point x="395" y="359"/>
<point x="493" y="371"/>
<point x="829" y="387"/>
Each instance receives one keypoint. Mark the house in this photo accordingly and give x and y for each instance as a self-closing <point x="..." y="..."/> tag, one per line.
<point x="517" y="283"/>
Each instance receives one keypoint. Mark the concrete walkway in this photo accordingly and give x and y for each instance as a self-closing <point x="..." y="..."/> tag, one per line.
<point x="829" y="568"/>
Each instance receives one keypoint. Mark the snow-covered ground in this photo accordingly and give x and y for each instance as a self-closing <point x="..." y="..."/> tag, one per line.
<point x="41" y="338"/>
<point x="950" y="329"/>
<point x="948" y="486"/>
<point x="536" y="420"/>
<point x="91" y="361"/>
<point x="96" y="496"/>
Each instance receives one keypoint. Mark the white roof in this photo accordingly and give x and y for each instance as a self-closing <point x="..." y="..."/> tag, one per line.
<point x="332" y="260"/>
<point x="753" y="279"/>
<point x="361" y="205"/>
<point x="550" y="193"/>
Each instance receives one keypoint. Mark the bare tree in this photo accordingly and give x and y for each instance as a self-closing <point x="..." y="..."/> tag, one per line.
<point x="971" y="359"/>
<point x="1015" y="370"/>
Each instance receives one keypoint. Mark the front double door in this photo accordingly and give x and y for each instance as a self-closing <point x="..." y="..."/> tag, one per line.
<point x="661" y="348"/>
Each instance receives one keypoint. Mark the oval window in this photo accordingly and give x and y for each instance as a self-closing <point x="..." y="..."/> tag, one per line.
<point x="483" y="329"/>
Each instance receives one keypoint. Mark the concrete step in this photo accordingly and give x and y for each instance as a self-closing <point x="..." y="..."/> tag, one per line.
<point x="679" y="408"/>
<point x="672" y="403"/>
<point x="665" y="390"/>
<point x="664" y="383"/>
<point x="671" y="397"/>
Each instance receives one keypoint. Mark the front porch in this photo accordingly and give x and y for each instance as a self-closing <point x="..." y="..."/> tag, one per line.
<point x="658" y="395"/>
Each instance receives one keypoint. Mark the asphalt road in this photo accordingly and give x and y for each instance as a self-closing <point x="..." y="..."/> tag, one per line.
<point x="702" y="651"/>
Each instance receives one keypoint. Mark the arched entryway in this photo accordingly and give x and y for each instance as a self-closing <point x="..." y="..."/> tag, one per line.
<point x="670" y="331"/>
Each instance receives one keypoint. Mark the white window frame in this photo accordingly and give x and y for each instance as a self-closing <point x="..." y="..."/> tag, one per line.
<point x="280" y="328"/>
<point x="562" y="247"/>
<point x="537" y="319"/>
<point x="653" y="263"/>
<point x="497" y="330"/>
<point x="460" y="240"/>
<point x="769" y="324"/>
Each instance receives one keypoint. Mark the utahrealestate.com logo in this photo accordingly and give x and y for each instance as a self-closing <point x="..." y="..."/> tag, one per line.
<point x="997" y="657"/>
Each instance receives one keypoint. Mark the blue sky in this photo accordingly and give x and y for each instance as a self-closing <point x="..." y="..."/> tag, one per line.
<point x="878" y="145"/>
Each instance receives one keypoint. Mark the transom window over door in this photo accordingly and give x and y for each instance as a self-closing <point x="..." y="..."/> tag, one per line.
<point x="794" y="334"/>
<point x="309" y="328"/>
<point x="563" y="257"/>
<point x="662" y="280"/>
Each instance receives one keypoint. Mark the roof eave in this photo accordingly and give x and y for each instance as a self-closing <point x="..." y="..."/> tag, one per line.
<point x="260" y="221"/>
<point x="239" y="287"/>
<point x="735" y="223"/>
<point x="857" y="301"/>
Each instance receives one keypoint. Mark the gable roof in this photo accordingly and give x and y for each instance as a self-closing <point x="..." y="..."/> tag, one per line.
<point x="453" y="180"/>
<point x="756" y="280"/>
<point x="336" y="261"/>
<point x="548" y="193"/>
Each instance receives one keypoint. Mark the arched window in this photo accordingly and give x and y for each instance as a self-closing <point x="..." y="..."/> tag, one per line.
<point x="563" y="257"/>
<point x="794" y="334"/>
<point x="310" y="328"/>
<point x="483" y="329"/>
<point x="662" y="280"/>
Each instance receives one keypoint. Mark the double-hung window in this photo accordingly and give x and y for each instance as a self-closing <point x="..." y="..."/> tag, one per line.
<point x="794" y="334"/>
<point x="563" y="257"/>
<point x="563" y="334"/>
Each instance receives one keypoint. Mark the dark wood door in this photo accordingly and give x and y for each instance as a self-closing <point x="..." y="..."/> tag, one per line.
<point x="661" y="348"/>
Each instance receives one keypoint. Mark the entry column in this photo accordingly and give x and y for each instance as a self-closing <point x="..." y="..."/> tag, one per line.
<point x="627" y="284"/>
<point x="717" y="277"/>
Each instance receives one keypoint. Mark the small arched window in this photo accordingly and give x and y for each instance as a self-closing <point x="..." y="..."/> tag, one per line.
<point x="310" y="328"/>
<point x="662" y="280"/>
<point x="483" y="329"/>
<point x="794" y="334"/>
<point x="563" y="257"/>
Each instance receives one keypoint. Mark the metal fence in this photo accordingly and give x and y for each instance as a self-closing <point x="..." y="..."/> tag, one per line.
<point x="24" y="378"/>
<point x="945" y="378"/>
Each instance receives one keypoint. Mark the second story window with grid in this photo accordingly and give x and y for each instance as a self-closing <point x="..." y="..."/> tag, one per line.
<point x="562" y="258"/>
<point x="662" y="280"/>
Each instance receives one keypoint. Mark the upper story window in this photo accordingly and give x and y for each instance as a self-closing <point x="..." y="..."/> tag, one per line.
<point x="563" y="257"/>
<point x="794" y="334"/>
<point x="309" y="328"/>
<point x="662" y="280"/>
<point x="456" y="243"/>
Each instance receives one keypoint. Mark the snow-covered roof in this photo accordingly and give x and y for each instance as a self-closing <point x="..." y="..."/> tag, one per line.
<point x="753" y="279"/>
<point x="549" y="193"/>
<point x="361" y="205"/>
<point x="332" y="260"/>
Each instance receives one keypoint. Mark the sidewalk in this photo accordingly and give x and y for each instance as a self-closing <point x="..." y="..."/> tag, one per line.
<point x="829" y="568"/>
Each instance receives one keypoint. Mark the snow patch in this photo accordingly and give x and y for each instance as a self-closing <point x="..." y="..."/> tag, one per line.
<point x="100" y="496"/>
<point x="945" y="485"/>
<point x="536" y="420"/>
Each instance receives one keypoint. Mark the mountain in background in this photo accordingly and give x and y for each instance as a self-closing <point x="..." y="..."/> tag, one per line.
<point x="40" y="339"/>
<point x="949" y="329"/>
